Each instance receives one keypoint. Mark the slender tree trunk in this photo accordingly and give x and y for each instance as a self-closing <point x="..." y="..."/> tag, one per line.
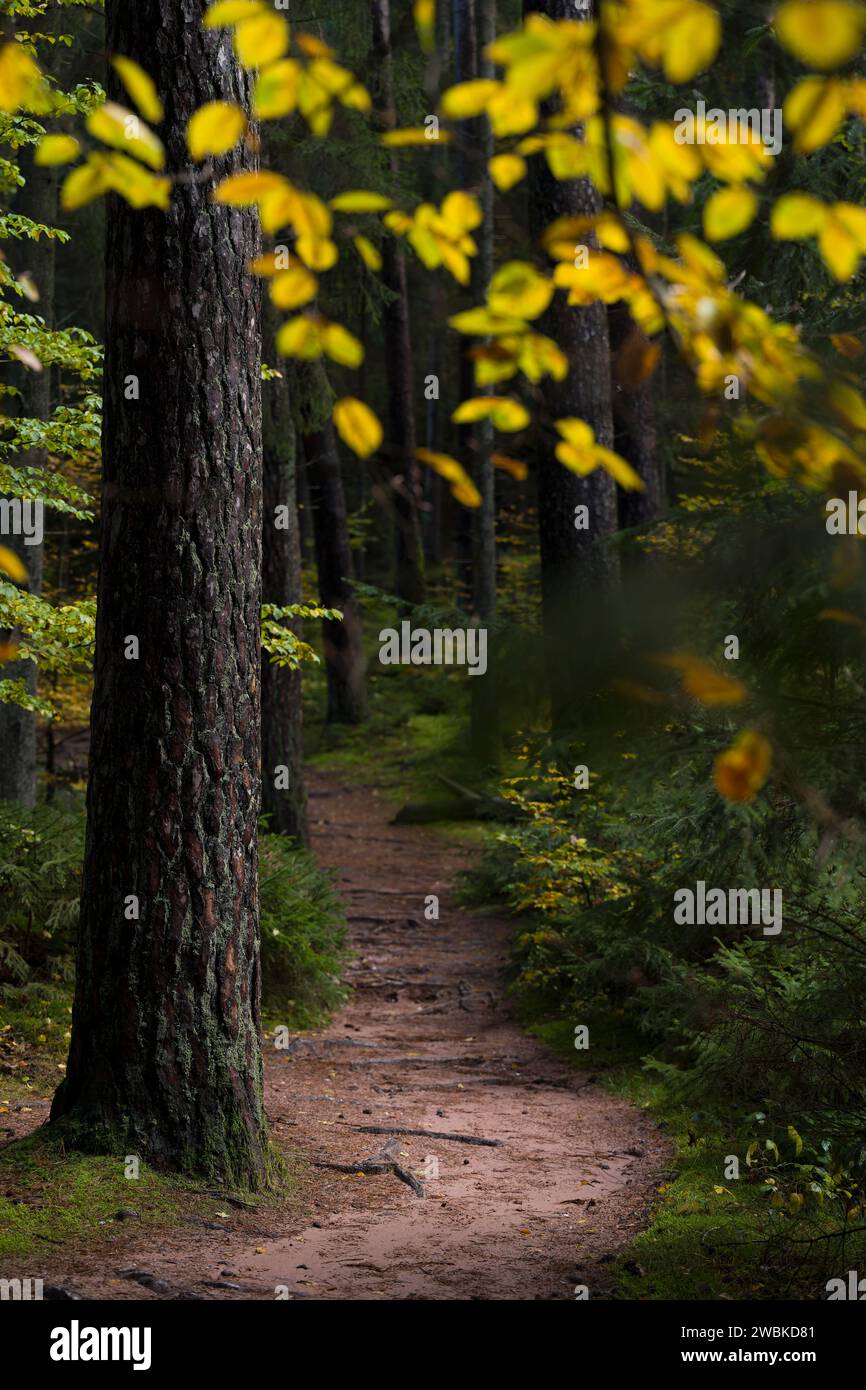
<point x="282" y="711"/>
<point x="634" y="421"/>
<point x="165" y="1058"/>
<point x="485" y="705"/>
<point x="572" y="559"/>
<point x="36" y="200"/>
<point x="409" y="579"/>
<point x="344" y="656"/>
<point x="469" y="153"/>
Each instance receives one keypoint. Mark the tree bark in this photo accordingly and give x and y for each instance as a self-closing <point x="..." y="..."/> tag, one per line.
<point x="396" y="326"/>
<point x="282" y="711"/>
<point x="165" y="1058"/>
<point x="38" y="201"/>
<point x="469" y="152"/>
<point x="572" y="559"/>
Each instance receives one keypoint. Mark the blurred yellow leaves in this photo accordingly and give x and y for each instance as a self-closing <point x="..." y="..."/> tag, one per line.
<point x="424" y="14"/>
<point x="680" y="36"/>
<point x="214" y="129"/>
<point x="702" y="681"/>
<point x="57" y="149"/>
<point x="10" y="563"/>
<point x="821" y="33"/>
<point x="506" y="170"/>
<point x="121" y="129"/>
<point x="21" y="82"/>
<point x="357" y="425"/>
<point x="728" y="212"/>
<point x="503" y="413"/>
<point x="463" y="490"/>
<point x="580" y="452"/>
<point x="139" y="86"/>
<point x="440" y="236"/>
<point x="308" y="336"/>
<point x="839" y="227"/>
<point x="741" y="771"/>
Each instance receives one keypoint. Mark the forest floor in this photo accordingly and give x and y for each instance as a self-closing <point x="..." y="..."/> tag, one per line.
<point x="428" y="1041"/>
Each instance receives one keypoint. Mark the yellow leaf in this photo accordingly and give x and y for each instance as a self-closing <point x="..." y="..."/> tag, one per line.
<point x="424" y="14"/>
<point x="815" y="109"/>
<point x="357" y="426"/>
<point x="518" y="288"/>
<point x="84" y="184"/>
<point x="461" y="212"/>
<point x="140" y="87"/>
<point x="292" y="288"/>
<point x="276" y="90"/>
<point x="481" y="323"/>
<point x="261" y="40"/>
<point x="703" y="682"/>
<point x="506" y="170"/>
<point x="621" y="471"/>
<point x="300" y="337"/>
<point x="56" y="149"/>
<point x="20" y="78"/>
<point x="123" y="130"/>
<point x="515" y="467"/>
<point x="319" y="253"/>
<point x="821" y="33"/>
<point x="413" y="135"/>
<point x="728" y="212"/>
<point x="139" y="187"/>
<point x="214" y="129"/>
<point x="341" y="346"/>
<point x="468" y="99"/>
<point x="361" y="201"/>
<point x="505" y="414"/>
<point x="742" y="770"/>
<point x="10" y="562"/>
<point x="840" y="250"/>
<point x="368" y="253"/>
<point x="271" y="263"/>
<point x="463" y="490"/>
<point x="796" y="215"/>
<point x="243" y="190"/>
<point x="231" y="12"/>
<point x="691" y="41"/>
<point x="848" y="345"/>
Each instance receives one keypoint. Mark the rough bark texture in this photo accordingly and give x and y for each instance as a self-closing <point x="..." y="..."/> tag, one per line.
<point x="571" y="559"/>
<point x="282" y="715"/>
<point x="409" y="576"/>
<point x="344" y="656"/>
<point x="37" y="200"/>
<point x="165" y="1057"/>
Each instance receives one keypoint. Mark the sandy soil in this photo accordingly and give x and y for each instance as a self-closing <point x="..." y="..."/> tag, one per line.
<point x="427" y="1042"/>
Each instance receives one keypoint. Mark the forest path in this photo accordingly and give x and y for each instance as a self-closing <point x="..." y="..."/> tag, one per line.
<point x="428" y="1042"/>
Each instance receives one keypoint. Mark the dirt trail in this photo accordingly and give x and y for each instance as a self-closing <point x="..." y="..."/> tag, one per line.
<point x="427" y="1042"/>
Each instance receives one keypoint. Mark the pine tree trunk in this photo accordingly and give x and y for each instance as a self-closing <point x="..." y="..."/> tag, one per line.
<point x="166" y="1058"/>
<point x="396" y="328"/>
<point x="485" y="704"/>
<point x="634" y="421"/>
<point x="574" y="563"/>
<point x="282" y="713"/>
<point x="36" y="200"/>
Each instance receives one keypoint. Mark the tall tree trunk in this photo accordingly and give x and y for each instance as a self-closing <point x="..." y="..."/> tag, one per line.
<point x="36" y="200"/>
<point x="166" y="1056"/>
<point x="467" y="173"/>
<point x="571" y="558"/>
<point x="634" y="421"/>
<point x="485" y="705"/>
<point x="344" y="656"/>
<point x="282" y="713"/>
<point x="409" y="578"/>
